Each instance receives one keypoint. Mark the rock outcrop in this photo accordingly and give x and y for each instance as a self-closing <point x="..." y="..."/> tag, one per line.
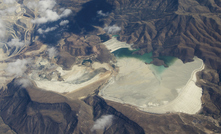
<point x="25" y="116"/>
<point x="180" y="28"/>
<point x="121" y="124"/>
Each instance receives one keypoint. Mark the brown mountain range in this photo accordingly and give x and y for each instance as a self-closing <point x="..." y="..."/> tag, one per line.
<point x="180" y="28"/>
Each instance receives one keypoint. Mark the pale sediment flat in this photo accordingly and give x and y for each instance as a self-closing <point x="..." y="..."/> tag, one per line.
<point x="76" y="78"/>
<point x="113" y="44"/>
<point x="173" y="90"/>
<point x="187" y="101"/>
<point x="97" y="65"/>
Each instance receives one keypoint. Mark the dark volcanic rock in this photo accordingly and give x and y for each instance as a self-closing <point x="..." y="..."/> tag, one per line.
<point x="25" y="116"/>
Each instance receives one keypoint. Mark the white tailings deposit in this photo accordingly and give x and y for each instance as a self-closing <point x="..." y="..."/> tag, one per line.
<point x="113" y="44"/>
<point x="173" y="90"/>
<point x="72" y="80"/>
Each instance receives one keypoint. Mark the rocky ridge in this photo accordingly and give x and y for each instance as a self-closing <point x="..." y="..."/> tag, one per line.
<point x="26" y="116"/>
<point x="180" y="28"/>
<point x="177" y="28"/>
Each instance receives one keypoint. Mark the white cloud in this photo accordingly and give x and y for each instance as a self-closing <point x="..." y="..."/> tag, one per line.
<point x="2" y="29"/>
<point x="112" y="29"/>
<point x="66" y="13"/>
<point x="24" y="82"/>
<point x="9" y="1"/>
<point x="10" y="10"/>
<point x="100" y="12"/>
<point x="64" y="22"/>
<point x="51" y="15"/>
<point x="103" y="122"/>
<point x="52" y="52"/>
<point x="17" y="68"/>
<point x="42" y="5"/>
<point x="49" y="29"/>
<point x="16" y="43"/>
<point x="47" y="14"/>
<point x="32" y="4"/>
<point x="40" y="30"/>
<point x="62" y="9"/>
<point x="46" y="4"/>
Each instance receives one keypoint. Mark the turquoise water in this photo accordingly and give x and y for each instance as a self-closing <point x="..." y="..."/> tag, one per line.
<point x="115" y="35"/>
<point x="169" y="60"/>
<point x="147" y="57"/>
<point x="125" y="52"/>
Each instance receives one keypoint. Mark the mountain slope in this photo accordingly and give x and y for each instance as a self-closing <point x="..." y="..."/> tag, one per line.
<point x="173" y="27"/>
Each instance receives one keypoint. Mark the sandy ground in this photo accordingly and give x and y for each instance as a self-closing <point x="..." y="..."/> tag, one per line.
<point x="64" y="86"/>
<point x="187" y="101"/>
<point x="97" y="65"/>
<point x="173" y="90"/>
<point x="113" y="44"/>
<point x="72" y="77"/>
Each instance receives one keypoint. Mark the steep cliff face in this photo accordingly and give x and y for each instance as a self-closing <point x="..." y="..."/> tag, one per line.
<point x="5" y="129"/>
<point x="25" y="116"/>
<point x="170" y="123"/>
<point x="121" y="124"/>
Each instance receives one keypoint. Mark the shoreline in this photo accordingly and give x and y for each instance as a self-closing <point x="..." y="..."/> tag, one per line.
<point x="188" y="99"/>
<point x="184" y="102"/>
<point x="113" y="44"/>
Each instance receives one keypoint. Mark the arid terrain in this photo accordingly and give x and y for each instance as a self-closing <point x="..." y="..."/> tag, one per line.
<point x="56" y="56"/>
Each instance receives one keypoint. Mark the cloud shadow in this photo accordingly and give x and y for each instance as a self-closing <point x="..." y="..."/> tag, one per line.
<point x="87" y="17"/>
